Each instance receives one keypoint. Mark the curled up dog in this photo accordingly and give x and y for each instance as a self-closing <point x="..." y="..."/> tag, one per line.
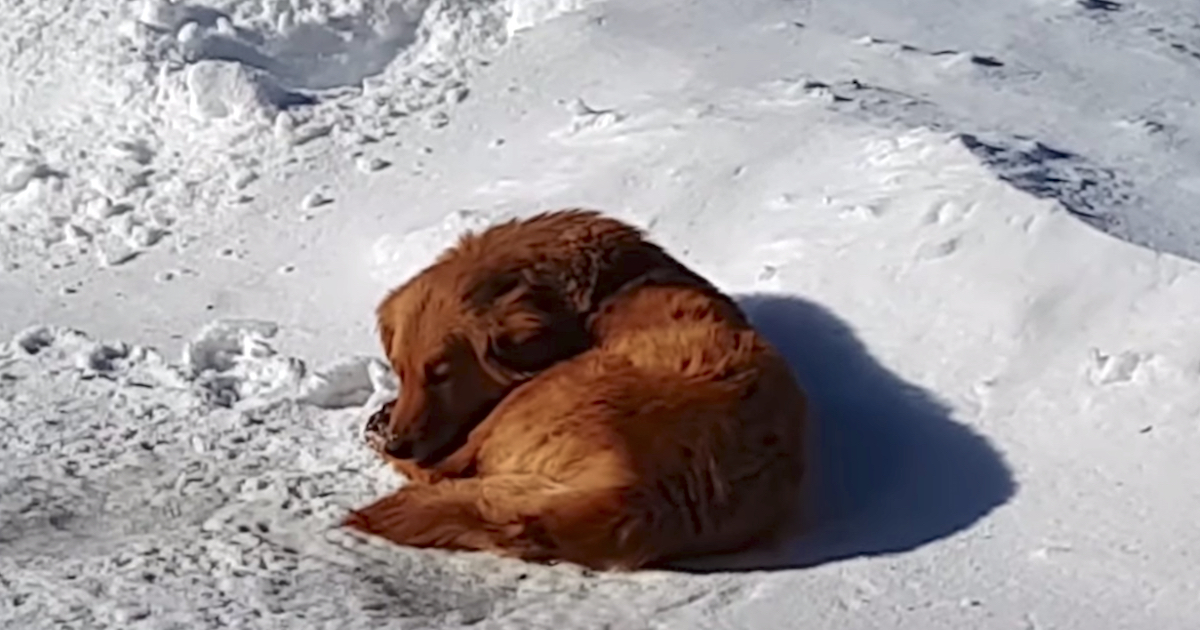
<point x="571" y="392"/>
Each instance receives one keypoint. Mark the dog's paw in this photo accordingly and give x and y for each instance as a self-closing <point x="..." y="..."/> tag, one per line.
<point x="356" y="520"/>
<point x="381" y="518"/>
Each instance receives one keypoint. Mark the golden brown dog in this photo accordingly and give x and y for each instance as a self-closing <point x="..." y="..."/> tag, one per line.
<point x="571" y="392"/>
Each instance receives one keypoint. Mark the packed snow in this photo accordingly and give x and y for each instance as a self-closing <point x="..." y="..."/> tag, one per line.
<point x="969" y="226"/>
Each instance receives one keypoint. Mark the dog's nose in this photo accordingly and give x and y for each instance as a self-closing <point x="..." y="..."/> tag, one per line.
<point x="400" y="449"/>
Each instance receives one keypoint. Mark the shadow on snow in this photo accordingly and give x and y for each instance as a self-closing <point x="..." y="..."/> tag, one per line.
<point x="891" y="472"/>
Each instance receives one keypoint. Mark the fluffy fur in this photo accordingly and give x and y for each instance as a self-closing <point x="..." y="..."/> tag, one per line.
<point x="571" y="392"/>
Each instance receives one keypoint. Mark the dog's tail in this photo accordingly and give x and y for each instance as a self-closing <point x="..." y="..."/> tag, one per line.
<point x="525" y="516"/>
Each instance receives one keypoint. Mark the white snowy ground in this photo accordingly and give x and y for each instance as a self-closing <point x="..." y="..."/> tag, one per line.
<point x="202" y="203"/>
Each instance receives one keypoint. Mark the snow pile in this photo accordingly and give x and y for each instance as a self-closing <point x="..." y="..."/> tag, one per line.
<point x="229" y="364"/>
<point x="249" y="59"/>
<point x="291" y="72"/>
<point x="525" y="14"/>
<point x="187" y="97"/>
<point x="311" y="46"/>
<point x="234" y="364"/>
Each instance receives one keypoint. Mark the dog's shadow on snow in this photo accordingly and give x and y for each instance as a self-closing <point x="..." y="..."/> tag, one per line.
<point x="891" y="470"/>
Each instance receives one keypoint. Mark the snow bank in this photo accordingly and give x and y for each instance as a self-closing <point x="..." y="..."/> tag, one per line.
<point x="166" y="105"/>
<point x="525" y="14"/>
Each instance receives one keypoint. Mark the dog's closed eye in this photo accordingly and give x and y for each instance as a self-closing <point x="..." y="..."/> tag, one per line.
<point x="437" y="372"/>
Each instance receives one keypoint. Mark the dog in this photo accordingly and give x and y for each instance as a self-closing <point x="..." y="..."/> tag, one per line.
<point x="571" y="392"/>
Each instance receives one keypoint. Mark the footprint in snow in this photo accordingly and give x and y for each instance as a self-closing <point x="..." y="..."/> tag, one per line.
<point x="1106" y="6"/>
<point x="948" y="59"/>
<point x="1180" y="43"/>
<point x="927" y="252"/>
<point x="585" y="119"/>
<point x="949" y="212"/>
<point x="1110" y="369"/>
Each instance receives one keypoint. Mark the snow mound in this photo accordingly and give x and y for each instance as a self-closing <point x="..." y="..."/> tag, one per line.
<point x="218" y="89"/>
<point x="1096" y="193"/>
<point x="364" y="382"/>
<point x="311" y="46"/>
<point x="228" y="364"/>
<point x="91" y="358"/>
<point x="20" y="172"/>
<point x="1083" y="189"/>
<point x="524" y="14"/>
<point x="234" y="364"/>
<point x="326" y="44"/>
<point x="248" y="62"/>
<point x="155" y="111"/>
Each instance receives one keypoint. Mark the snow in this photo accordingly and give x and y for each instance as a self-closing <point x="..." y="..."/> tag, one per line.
<point x="967" y="225"/>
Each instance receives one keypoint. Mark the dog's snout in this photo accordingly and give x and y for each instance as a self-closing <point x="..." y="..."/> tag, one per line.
<point x="400" y="449"/>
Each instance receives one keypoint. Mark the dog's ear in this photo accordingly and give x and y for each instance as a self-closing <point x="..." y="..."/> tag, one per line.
<point x="386" y="333"/>
<point x="486" y="293"/>
<point x="530" y="322"/>
<point x="385" y="319"/>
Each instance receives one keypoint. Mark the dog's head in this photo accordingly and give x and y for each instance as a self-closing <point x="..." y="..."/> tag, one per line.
<point x="459" y="342"/>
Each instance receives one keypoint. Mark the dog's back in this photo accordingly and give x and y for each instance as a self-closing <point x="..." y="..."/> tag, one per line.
<point x="580" y="255"/>
<point x="707" y="418"/>
<point x="584" y="253"/>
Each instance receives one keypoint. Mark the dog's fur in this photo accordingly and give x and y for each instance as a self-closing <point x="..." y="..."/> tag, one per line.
<point x="572" y="392"/>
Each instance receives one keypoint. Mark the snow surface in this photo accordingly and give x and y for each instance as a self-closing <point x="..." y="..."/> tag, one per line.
<point x="969" y="225"/>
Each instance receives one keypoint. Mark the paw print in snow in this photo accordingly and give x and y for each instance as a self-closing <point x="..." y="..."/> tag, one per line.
<point x="1107" y="369"/>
